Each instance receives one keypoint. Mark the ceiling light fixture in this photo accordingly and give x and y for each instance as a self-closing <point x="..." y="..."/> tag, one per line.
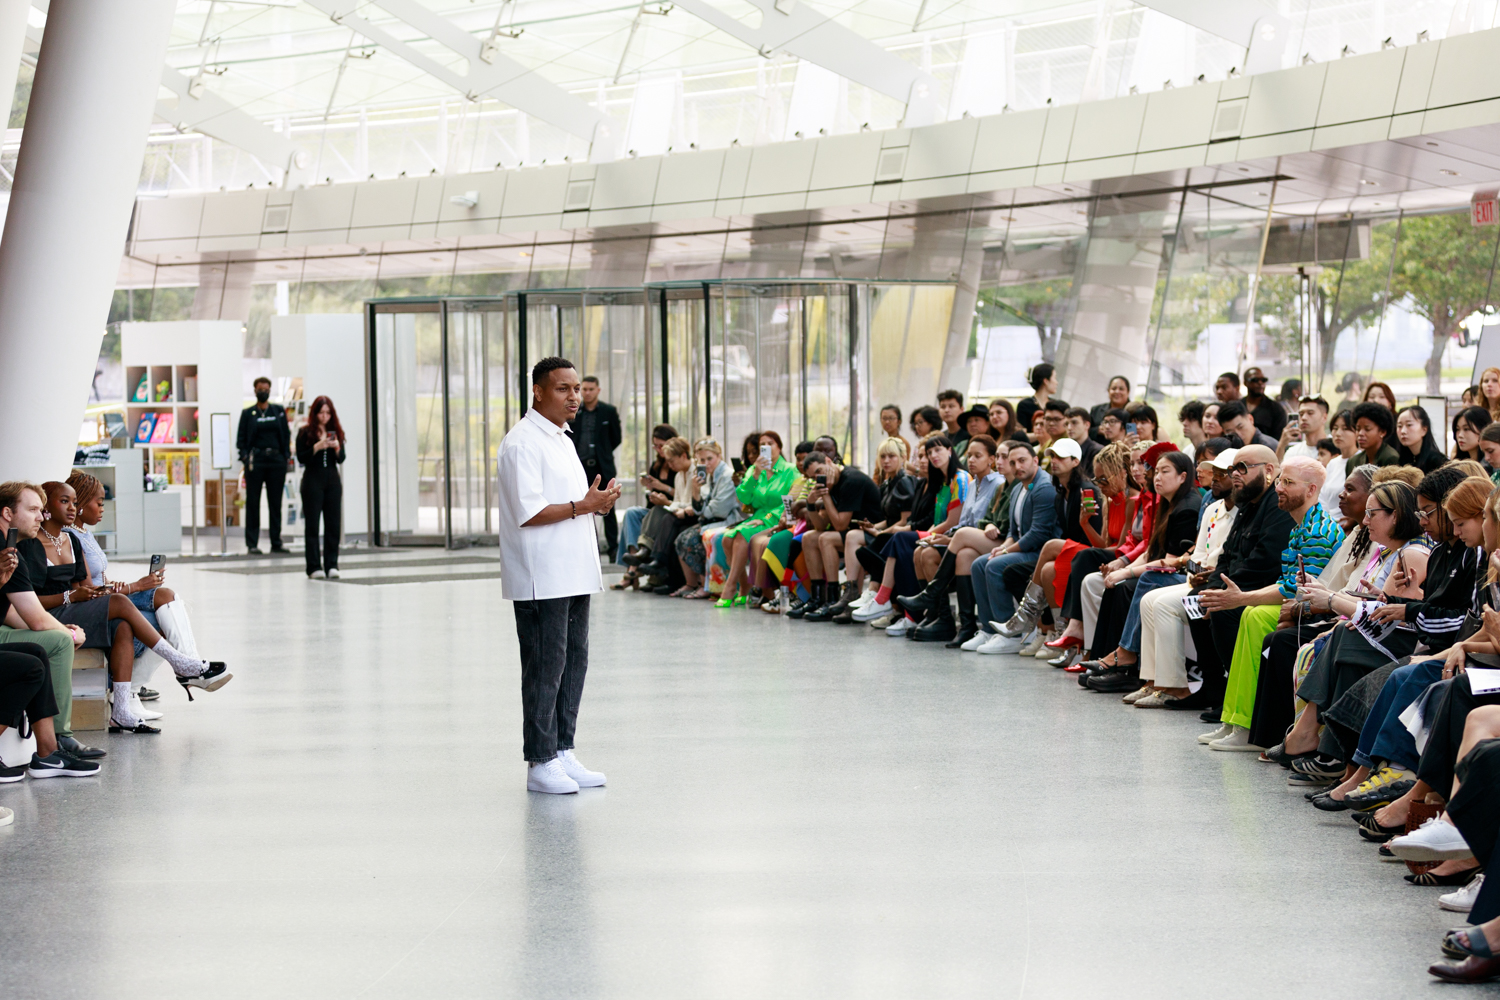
<point x="1448" y="173"/>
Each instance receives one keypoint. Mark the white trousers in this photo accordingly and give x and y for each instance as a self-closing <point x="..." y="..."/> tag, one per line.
<point x="1165" y="640"/>
<point x="1090" y="596"/>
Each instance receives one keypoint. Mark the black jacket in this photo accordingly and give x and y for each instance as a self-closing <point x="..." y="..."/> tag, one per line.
<point x="264" y="433"/>
<point x="1448" y="593"/>
<point x="1252" y="552"/>
<point x="606" y="433"/>
<point x="1182" y="526"/>
<point x="1069" y="502"/>
<point x="1427" y="459"/>
<point x="327" y="459"/>
<point x="897" y="494"/>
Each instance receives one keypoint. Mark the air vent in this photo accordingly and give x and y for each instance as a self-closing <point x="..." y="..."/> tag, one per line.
<point x="277" y="217"/>
<point x="892" y="163"/>
<point x="1228" y="119"/>
<point x="580" y="194"/>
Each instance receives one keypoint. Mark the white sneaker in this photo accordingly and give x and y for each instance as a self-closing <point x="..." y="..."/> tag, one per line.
<point x="549" y="777"/>
<point x="979" y="640"/>
<point x="316" y="574"/>
<point x="7" y="817"/>
<point x="862" y="600"/>
<point x="873" y="610"/>
<point x="1218" y="734"/>
<point x="575" y="770"/>
<point x="1434" y="840"/>
<point x="1461" y="900"/>
<point x="333" y="574"/>
<point x="899" y="626"/>
<point x="1238" y="741"/>
<point x="1037" y="643"/>
<point x="1002" y="644"/>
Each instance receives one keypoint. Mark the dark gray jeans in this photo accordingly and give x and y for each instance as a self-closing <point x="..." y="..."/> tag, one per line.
<point x="554" y="636"/>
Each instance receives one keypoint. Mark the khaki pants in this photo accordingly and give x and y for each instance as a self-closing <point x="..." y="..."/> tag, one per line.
<point x="59" y="647"/>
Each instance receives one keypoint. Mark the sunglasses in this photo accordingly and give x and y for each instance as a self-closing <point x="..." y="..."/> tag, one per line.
<point x="1243" y="467"/>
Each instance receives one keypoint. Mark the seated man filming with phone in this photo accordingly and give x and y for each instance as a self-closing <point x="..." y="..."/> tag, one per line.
<point x="842" y="498"/>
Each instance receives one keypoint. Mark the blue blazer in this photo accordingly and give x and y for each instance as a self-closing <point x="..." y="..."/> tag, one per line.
<point x="1038" y="523"/>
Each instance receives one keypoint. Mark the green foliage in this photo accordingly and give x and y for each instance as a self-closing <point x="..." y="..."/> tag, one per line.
<point x="1444" y="272"/>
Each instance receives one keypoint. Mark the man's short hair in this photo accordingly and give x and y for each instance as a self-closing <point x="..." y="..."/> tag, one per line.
<point x="1191" y="412"/>
<point x="1081" y="414"/>
<point x="1232" y="410"/>
<point x="1214" y="446"/>
<point x="546" y="367"/>
<point x="594" y="379"/>
<point x="259" y="381"/>
<point x="816" y="457"/>
<point x="1118" y="413"/>
<point x="1327" y="445"/>
<point x="952" y="394"/>
<point x="1231" y="377"/>
<point x="10" y="492"/>
<point x="1315" y="400"/>
<point x="1055" y="405"/>
<point x="1023" y="446"/>
<point x="1377" y="414"/>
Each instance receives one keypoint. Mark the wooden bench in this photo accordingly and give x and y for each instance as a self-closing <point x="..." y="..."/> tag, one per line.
<point x="90" y="683"/>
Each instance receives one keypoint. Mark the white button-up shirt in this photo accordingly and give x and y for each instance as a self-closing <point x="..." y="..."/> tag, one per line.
<point x="539" y="467"/>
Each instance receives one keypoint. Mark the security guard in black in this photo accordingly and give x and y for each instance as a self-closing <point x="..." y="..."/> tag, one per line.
<point x="265" y="447"/>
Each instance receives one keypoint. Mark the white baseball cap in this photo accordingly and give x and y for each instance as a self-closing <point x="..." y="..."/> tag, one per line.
<point x="1225" y="459"/>
<point x="1066" y="448"/>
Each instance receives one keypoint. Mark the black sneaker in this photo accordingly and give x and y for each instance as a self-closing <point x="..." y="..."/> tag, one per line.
<point x="9" y="774"/>
<point x="254" y="550"/>
<point x="280" y="549"/>
<point x="147" y="694"/>
<point x="1319" y="767"/>
<point x="61" y="765"/>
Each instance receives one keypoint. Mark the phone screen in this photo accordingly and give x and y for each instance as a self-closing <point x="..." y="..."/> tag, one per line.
<point x="10" y="539"/>
<point x="157" y="562"/>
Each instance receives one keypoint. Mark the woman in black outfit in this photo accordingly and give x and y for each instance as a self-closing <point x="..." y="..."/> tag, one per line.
<point x="320" y="449"/>
<point x="1415" y="444"/>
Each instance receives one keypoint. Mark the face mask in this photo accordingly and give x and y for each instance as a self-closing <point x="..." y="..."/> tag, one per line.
<point x="262" y="395"/>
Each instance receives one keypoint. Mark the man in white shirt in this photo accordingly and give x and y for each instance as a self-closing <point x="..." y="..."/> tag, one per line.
<point x="1301" y="437"/>
<point x="549" y="565"/>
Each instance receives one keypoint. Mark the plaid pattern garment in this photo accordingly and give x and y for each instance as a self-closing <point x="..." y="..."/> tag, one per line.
<point x="1315" y="540"/>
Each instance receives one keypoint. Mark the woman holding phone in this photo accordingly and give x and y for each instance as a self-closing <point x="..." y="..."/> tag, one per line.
<point x="320" y="449"/>
<point x="760" y="491"/>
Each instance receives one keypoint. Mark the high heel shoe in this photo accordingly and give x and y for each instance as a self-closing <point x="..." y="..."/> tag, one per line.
<point x="1065" y="642"/>
<point x="215" y="677"/>
<point x="630" y="581"/>
<point x="140" y="728"/>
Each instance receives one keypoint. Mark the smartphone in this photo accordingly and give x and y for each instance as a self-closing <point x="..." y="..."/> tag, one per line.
<point x="1088" y="499"/>
<point x="1130" y="428"/>
<point x="157" y="562"/>
<point x="10" y="540"/>
<point x="738" y="464"/>
<point x="1301" y="574"/>
<point x="821" y="480"/>
<point x="1192" y="568"/>
<point x="1401" y="564"/>
<point x="765" y="452"/>
<point x="701" y="474"/>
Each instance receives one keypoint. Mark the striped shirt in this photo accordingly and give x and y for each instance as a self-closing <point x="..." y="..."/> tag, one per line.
<point x="1315" y="540"/>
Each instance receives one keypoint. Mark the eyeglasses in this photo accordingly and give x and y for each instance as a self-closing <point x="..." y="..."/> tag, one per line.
<point x="1423" y="513"/>
<point x="1378" y="510"/>
<point x="1243" y="467"/>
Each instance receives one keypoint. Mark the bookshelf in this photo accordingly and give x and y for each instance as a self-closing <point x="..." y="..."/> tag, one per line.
<point x="190" y="369"/>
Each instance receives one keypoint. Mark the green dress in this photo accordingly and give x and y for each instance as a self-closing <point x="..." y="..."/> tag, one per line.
<point x="762" y="493"/>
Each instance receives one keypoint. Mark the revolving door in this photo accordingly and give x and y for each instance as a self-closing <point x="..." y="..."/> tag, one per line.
<point x="448" y="377"/>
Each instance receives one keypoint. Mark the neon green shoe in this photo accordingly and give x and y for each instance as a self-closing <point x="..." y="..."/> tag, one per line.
<point x="724" y="602"/>
<point x="742" y="600"/>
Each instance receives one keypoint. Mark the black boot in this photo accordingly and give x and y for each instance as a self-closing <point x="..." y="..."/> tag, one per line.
<point x="837" y="605"/>
<point x="817" y="596"/>
<point x="925" y="618"/>
<point x="936" y="591"/>
<point x="941" y="627"/>
<point x="968" y="621"/>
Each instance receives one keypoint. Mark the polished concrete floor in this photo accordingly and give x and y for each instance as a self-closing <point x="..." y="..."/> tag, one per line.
<point x="793" y="811"/>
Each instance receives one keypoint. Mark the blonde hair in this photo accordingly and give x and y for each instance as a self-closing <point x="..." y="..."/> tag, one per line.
<point x="1468" y="467"/>
<point x="1112" y="459"/>
<point x="10" y="492"/>
<point x="1408" y="474"/>
<point x="676" y="447"/>
<point x="890" y="446"/>
<point x="708" y="444"/>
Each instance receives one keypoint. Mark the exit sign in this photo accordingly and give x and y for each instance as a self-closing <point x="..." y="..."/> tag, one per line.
<point x="1483" y="210"/>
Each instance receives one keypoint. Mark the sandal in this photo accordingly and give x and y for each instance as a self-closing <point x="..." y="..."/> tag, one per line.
<point x="697" y="595"/>
<point x="627" y="582"/>
<point x="724" y="602"/>
<point x="1472" y="944"/>
<point x="682" y="591"/>
<point x="1456" y="878"/>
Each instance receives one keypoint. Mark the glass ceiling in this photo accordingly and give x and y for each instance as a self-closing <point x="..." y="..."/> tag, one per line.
<point x="670" y="80"/>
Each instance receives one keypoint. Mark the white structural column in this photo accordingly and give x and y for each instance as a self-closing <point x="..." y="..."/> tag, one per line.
<point x="1116" y="285"/>
<point x="958" y="370"/>
<point x="80" y="162"/>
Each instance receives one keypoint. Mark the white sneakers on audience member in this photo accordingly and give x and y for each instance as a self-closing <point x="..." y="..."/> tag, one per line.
<point x="549" y="776"/>
<point x="873" y="610"/>
<point x="862" y="600"/>
<point x="1238" y="741"/>
<point x="1218" y="734"/>
<point x="1461" y="900"/>
<point x="574" y="769"/>
<point x="1004" y="644"/>
<point x="316" y="574"/>
<point x="899" y="626"/>
<point x="1035" y="644"/>
<point x="1434" y="840"/>
<point x="7" y="817"/>
<point x="980" y="638"/>
<point x="333" y="574"/>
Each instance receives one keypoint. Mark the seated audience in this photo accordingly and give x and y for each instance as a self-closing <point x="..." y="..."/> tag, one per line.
<point x="761" y="491"/>
<point x="1379" y="392"/>
<point x="1268" y="414"/>
<point x="1190" y="416"/>
<point x="948" y="484"/>
<point x="1415" y="444"/>
<point x="1236" y="420"/>
<point x="1119" y="397"/>
<point x="1003" y="425"/>
<point x="898" y="491"/>
<point x="711" y="490"/>
<point x="1300" y="437"/>
<point x="1043" y="381"/>
<point x="1468" y="425"/>
<point x="842" y="499"/>
<point x="1374" y="423"/>
<point x="658" y="493"/>
<point x="1080" y="429"/>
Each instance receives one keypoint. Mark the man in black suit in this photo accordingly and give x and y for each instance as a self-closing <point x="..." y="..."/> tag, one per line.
<point x="596" y="435"/>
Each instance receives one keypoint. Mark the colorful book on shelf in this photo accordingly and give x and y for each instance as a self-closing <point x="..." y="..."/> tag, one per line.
<point x="142" y="390"/>
<point x="145" y="428"/>
<point x="162" y="434"/>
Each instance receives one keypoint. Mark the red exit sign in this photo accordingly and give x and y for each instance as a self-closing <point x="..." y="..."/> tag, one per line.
<point x="1483" y="210"/>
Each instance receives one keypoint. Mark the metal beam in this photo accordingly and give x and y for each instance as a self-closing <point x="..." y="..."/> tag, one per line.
<point x="202" y="111"/>
<point x="787" y="26"/>
<point x="490" y="72"/>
